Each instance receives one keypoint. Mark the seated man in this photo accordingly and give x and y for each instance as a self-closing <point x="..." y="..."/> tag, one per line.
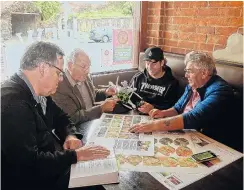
<point x="76" y="94"/>
<point x="29" y="157"/>
<point x="156" y="85"/>
<point x="205" y="104"/>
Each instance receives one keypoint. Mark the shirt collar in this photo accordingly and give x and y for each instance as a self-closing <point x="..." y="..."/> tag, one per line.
<point x="23" y="77"/>
<point x="72" y="82"/>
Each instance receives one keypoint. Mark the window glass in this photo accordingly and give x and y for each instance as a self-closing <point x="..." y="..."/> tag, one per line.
<point x="107" y="31"/>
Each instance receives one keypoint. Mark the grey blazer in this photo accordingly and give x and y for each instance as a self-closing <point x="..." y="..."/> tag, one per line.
<point x="70" y="100"/>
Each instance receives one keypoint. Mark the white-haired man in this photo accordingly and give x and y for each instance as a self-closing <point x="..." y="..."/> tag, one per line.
<point x="76" y="94"/>
<point x="205" y="104"/>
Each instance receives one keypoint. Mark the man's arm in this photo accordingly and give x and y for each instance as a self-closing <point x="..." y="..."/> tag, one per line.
<point x="167" y="124"/>
<point x="20" y="133"/>
<point x="62" y="124"/>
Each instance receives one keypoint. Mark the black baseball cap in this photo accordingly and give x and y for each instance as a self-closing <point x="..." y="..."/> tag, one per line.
<point x="155" y="53"/>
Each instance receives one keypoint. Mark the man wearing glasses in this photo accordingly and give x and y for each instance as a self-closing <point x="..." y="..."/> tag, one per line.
<point x="156" y="85"/>
<point x="206" y="104"/>
<point x="30" y="159"/>
<point x="76" y="94"/>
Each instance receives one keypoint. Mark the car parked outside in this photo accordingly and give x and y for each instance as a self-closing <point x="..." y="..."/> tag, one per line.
<point x="101" y="34"/>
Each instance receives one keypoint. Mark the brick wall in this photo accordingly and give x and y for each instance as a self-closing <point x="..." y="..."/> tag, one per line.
<point x="180" y="27"/>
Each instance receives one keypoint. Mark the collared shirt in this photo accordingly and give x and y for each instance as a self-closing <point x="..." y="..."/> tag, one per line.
<point x="195" y="97"/>
<point x="82" y="87"/>
<point x="39" y="99"/>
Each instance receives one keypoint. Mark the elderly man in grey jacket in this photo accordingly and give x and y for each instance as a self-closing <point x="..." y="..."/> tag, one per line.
<point x="76" y="94"/>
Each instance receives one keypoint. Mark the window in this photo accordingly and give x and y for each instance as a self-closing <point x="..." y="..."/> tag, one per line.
<point x="107" y="31"/>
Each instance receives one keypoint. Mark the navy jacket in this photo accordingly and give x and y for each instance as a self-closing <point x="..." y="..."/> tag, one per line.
<point x="211" y="115"/>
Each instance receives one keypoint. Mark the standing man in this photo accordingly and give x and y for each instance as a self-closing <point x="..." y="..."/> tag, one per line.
<point x="156" y="85"/>
<point x="76" y="94"/>
<point x="206" y="104"/>
<point x="29" y="157"/>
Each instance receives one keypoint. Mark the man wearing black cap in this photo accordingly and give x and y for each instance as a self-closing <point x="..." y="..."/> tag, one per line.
<point x="156" y="85"/>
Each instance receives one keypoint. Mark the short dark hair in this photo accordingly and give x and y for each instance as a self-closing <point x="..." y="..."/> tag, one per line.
<point x="39" y="52"/>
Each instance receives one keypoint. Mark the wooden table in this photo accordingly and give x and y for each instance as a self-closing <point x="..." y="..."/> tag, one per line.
<point x="230" y="177"/>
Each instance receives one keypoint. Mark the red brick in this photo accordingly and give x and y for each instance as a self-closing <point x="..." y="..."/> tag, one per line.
<point x="166" y="48"/>
<point x="169" y="5"/>
<point x="229" y="12"/>
<point x="218" y="46"/>
<point x="235" y="21"/>
<point x="183" y="35"/>
<point x="206" y="47"/>
<point x="186" y="44"/>
<point x="205" y="30"/>
<point x="167" y="20"/>
<point x="169" y="12"/>
<point x="200" y="21"/>
<point x="219" y="21"/>
<point x="225" y="30"/>
<point x="155" y="41"/>
<point x="153" y="19"/>
<point x="154" y="4"/>
<point x="183" y="20"/>
<point x="198" y="37"/>
<point x="218" y="3"/>
<point x="179" y="4"/>
<point x="235" y="4"/>
<point x="178" y="50"/>
<point x="170" y="26"/>
<point x="187" y="28"/>
<point x="198" y="4"/>
<point x="154" y="12"/>
<point x="240" y="30"/>
<point x="216" y="39"/>
<point x="167" y="35"/>
<point x="170" y="42"/>
<point x="207" y="12"/>
<point x="185" y="12"/>
<point x="149" y="40"/>
<point x="160" y="41"/>
<point x="153" y="33"/>
<point x="176" y="36"/>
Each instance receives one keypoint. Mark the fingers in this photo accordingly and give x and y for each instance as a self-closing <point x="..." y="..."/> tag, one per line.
<point x="92" y="152"/>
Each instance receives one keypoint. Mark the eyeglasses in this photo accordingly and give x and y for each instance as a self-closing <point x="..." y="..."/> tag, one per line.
<point x="83" y="67"/>
<point x="188" y="71"/>
<point x="60" y="73"/>
<point x="150" y="61"/>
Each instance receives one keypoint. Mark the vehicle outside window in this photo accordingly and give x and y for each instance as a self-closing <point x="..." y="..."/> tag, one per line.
<point x="105" y="30"/>
<point x="101" y="34"/>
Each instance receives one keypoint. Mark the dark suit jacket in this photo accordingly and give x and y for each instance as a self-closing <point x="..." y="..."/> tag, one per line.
<point x="29" y="158"/>
<point x="70" y="100"/>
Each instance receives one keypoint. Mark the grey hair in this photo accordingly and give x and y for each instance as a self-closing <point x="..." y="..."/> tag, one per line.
<point x="73" y="55"/>
<point x="201" y="61"/>
<point x="39" y="52"/>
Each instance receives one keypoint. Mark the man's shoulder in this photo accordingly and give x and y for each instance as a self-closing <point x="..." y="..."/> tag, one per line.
<point x="64" y="87"/>
<point x="139" y="75"/>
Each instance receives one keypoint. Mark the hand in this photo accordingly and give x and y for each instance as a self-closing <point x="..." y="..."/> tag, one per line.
<point x="155" y="113"/>
<point x="110" y="91"/>
<point x="71" y="142"/>
<point x="108" y="105"/>
<point x="91" y="152"/>
<point x="145" y="108"/>
<point x="145" y="127"/>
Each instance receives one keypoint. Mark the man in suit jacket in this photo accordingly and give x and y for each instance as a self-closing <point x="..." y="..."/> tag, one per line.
<point x="29" y="156"/>
<point x="76" y="94"/>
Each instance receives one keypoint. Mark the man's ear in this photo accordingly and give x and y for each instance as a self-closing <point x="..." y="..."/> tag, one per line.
<point x="163" y="63"/>
<point x="205" y="73"/>
<point x="42" y="68"/>
<point x="70" y="65"/>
